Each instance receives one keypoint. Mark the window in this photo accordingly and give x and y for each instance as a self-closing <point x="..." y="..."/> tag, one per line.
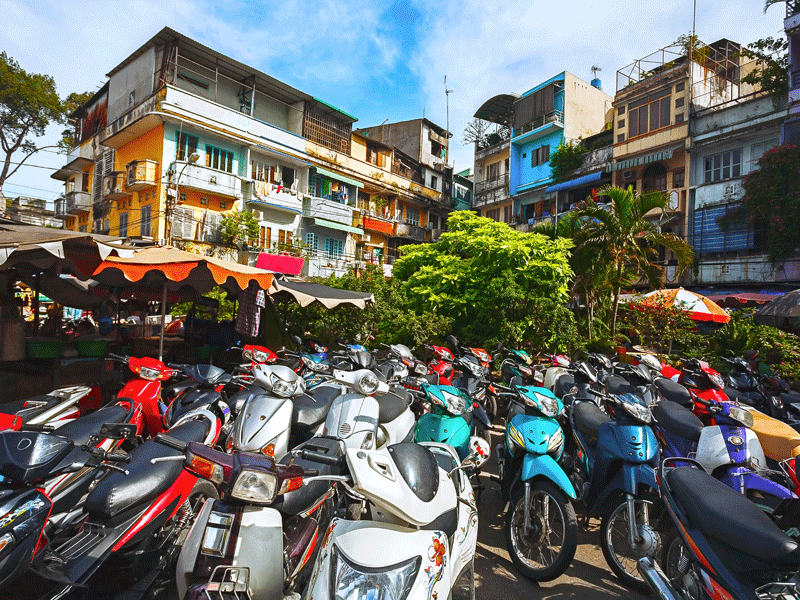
<point x="621" y="110"/>
<point x="203" y="201"/>
<point x="649" y="114"/>
<point x="725" y="165"/>
<point x="287" y="177"/>
<point x="493" y="214"/>
<point x="679" y="178"/>
<point x="433" y="221"/>
<point x="540" y="156"/>
<point x="259" y="171"/>
<point x="266" y="237"/>
<point x="85" y="182"/>
<point x="679" y="118"/>
<point x="679" y="102"/>
<point x="434" y="182"/>
<point x="492" y="171"/>
<point x="147" y="215"/>
<point x="219" y="159"/>
<point x="123" y="224"/>
<point x="680" y="87"/>
<point x="757" y="151"/>
<point x="620" y="138"/>
<point x="507" y="213"/>
<point x="223" y="204"/>
<point x="621" y="123"/>
<point x="312" y="242"/>
<point x="333" y="248"/>
<point x="187" y="145"/>
<point x="82" y="228"/>
<point x="284" y="237"/>
<point x="412" y="216"/>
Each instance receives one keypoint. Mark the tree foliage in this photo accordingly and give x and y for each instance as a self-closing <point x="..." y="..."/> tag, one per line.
<point x="772" y="71"/>
<point x="485" y="277"/>
<point x="565" y="159"/>
<point x="28" y="104"/>
<point x="771" y="201"/>
<point x="238" y="227"/>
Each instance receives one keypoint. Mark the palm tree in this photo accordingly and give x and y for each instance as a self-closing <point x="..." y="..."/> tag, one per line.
<point x="590" y="272"/>
<point x="629" y="239"/>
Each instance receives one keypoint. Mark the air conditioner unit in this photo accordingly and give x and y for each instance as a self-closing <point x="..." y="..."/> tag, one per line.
<point x="366" y="237"/>
<point x="629" y="174"/>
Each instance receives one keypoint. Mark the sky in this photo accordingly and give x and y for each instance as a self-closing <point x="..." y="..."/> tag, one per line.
<point x="375" y="61"/>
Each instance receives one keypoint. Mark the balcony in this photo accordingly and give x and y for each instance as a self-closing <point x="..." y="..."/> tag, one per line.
<point x="327" y="210"/>
<point x="265" y="194"/>
<point x="407" y="230"/>
<point x="60" y="208"/>
<point x="436" y="234"/>
<point x="78" y="159"/>
<point x="541" y="124"/>
<point x="205" y="179"/>
<point x="142" y="174"/>
<point x="491" y="184"/>
<point x="78" y="202"/>
<point x="114" y="186"/>
<point x="484" y="151"/>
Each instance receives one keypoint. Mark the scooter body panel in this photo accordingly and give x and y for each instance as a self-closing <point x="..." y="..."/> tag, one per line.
<point x="354" y="419"/>
<point x="716" y="447"/>
<point x="24" y="516"/>
<point x="535" y="465"/>
<point x="444" y="429"/>
<point x="263" y="420"/>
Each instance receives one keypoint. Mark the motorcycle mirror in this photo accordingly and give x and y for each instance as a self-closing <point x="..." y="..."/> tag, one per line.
<point x="499" y="346"/>
<point x="452" y="341"/>
<point x="296" y="340"/>
<point x="497" y="356"/>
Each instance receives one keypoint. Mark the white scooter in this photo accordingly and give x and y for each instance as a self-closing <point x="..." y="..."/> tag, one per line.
<point x="420" y="536"/>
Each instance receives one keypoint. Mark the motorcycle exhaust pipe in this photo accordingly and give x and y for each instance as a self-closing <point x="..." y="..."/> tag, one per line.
<point x="656" y="580"/>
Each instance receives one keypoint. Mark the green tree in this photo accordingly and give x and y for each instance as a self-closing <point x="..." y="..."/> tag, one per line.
<point x="28" y="104"/>
<point x="771" y="201"/>
<point x="629" y="240"/>
<point x="772" y="71"/>
<point x="238" y="227"/>
<point x="484" y="272"/>
<point x="565" y="159"/>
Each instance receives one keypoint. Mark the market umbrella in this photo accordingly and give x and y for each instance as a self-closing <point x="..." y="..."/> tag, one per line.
<point x="171" y="269"/>
<point x="697" y="306"/>
<point x="784" y="310"/>
<point x="306" y="293"/>
<point x="70" y="291"/>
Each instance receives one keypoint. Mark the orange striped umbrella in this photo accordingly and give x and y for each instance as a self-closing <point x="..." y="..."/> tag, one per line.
<point x="699" y="307"/>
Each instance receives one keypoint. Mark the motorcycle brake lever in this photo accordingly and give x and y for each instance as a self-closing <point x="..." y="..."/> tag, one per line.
<point x="115" y="468"/>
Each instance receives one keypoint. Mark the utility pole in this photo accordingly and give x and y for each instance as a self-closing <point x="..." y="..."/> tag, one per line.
<point x="447" y="108"/>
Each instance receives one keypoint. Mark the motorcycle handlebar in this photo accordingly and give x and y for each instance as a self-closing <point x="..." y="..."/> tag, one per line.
<point x="333" y="461"/>
<point x="171" y="442"/>
<point x="41" y="428"/>
<point x="117" y="457"/>
<point x="118" y="357"/>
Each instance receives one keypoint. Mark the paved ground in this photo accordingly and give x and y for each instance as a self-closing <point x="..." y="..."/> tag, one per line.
<point x="587" y="578"/>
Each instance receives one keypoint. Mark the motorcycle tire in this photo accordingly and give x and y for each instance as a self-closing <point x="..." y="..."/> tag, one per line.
<point x="560" y="505"/>
<point x="624" y="567"/>
<point x="670" y="559"/>
<point x="490" y="406"/>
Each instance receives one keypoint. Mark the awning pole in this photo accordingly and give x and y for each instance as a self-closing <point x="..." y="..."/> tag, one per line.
<point x="163" y="319"/>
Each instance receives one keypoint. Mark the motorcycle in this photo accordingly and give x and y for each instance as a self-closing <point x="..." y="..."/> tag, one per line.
<point x="724" y="546"/>
<point x="612" y="468"/>
<point x="419" y="537"/>
<point x="541" y="530"/>
<point x="442" y="364"/>
<point x="139" y="515"/>
<point x="59" y="405"/>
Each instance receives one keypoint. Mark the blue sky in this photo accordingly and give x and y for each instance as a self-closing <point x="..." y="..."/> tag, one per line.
<point x="375" y="61"/>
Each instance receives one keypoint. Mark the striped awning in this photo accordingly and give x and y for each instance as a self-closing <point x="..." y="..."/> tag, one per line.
<point x="629" y="163"/>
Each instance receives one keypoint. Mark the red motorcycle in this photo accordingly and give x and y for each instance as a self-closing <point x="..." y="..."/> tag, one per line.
<point x="442" y="364"/>
<point x="705" y="387"/>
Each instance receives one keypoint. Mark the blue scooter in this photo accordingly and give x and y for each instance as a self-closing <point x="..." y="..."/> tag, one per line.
<point x="541" y="530"/>
<point x="612" y="465"/>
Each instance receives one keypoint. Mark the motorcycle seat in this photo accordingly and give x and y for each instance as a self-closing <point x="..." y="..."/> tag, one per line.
<point x="80" y="430"/>
<point x="729" y="517"/>
<point x="678" y="419"/>
<point x="310" y="410"/>
<point x="588" y="417"/>
<point x="619" y="385"/>
<point x="117" y="492"/>
<point x="674" y="391"/>
<point x="392" y="404"/>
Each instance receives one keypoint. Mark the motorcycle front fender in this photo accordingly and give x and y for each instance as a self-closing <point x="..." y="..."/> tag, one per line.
<point x="629" y="479"/>
<point x="480" y="413"/>
<point x="535" y="465"/>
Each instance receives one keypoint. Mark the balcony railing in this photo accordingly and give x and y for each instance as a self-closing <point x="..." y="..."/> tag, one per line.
<point x="60" y="208"/>
<point x="556" y="117"/>
<point x="142" y="174"/>
<point x="206" y="179"/>
<point x="491" y="184"/>
<point x="265" y="193"/>
<point x="78" y="202"/>
<point x="792" y="8"/>
<point x="413" y="232"/>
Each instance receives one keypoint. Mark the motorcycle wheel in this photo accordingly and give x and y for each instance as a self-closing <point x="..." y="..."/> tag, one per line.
<point x="549" y="550"/>
<point x="490" y="406"/>
<point x="621" y="558"/>
<point x="672" y="555"/>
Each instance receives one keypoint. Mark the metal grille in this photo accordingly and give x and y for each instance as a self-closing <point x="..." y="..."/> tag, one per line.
<point x="345" y="429"/>
<point x="327" y="132"/>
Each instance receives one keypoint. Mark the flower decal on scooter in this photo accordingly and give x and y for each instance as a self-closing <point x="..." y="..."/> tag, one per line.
<point x="437" y="556"/>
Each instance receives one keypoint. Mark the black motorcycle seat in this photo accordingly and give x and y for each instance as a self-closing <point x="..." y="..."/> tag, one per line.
<point x="674" y="391"/>
<point x="742" y="397"/>
<point x="729" y="517"/>
<point x="588" y="417"/>
<point x="311" y="409"/>
<point x="392" y="404"/>
<point x="80" y="430"/>
<point x="678" y="419"/>
<point x="619" y="385"/>
<point x="117" y="492"/>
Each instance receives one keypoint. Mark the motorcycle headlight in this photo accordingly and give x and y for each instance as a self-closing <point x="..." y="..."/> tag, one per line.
<point x="149" y="374"/>
<point x="352" y="581"/>
<point x="247" y="354"/>
<point x="638" y="411"/>
<point x="281" y="388"/>
<point x="744" y="417"/>
<point x="556" y="442"/>
<point x="255" y="486"/>
<point x="717" y="380"/>
<point x="455" y="403"/>
<point x="368" y="384"/>
<point x="548" y="406"/>
<point x="260" y="356"/>
<point x="476" y="369"/>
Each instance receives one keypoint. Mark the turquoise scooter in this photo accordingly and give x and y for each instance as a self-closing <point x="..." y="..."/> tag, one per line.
<point x="541" y="529"/>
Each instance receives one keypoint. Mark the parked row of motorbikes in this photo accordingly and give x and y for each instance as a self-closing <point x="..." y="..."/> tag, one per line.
<point x="274" y="477"/>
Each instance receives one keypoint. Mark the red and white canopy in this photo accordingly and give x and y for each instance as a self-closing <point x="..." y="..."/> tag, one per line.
<point x="699" y="307"/>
